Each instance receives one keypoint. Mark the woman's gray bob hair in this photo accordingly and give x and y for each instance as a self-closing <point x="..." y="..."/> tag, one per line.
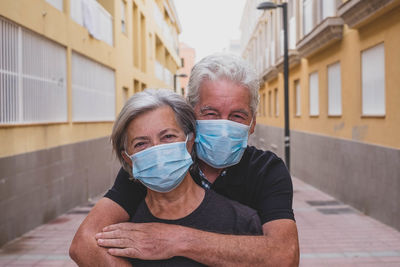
<point x="226" y="66"/>
<point x="142" y="102"/>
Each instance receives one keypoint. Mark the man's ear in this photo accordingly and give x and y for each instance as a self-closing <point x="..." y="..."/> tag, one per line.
<point x="126" y="158"/>
<point x="253" y="125"/>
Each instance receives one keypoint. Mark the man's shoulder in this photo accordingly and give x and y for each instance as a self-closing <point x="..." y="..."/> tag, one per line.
<point x="261" y="162"/>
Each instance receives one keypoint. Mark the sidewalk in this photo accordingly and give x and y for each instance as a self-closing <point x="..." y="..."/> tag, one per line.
<point x="330" y="233"/>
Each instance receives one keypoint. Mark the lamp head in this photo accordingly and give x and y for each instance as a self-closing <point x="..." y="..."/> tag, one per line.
<point x="267" y="5"/>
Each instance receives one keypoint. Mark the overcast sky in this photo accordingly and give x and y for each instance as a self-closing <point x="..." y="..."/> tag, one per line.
<point x="209" y="25"/>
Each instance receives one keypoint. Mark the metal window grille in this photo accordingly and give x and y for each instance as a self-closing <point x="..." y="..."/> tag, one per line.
<point x="93" y="90"/>
<point x="373" y="80"/>
<point x="334" y="90"/>
<point x="32" y="77"/>
<point x="314" y="94"/>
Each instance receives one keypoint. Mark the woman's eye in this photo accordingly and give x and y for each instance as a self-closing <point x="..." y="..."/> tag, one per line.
<point x="169" y="136"/>
<point x="138" y="145"/>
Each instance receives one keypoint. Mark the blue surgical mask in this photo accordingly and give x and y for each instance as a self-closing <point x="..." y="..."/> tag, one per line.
<point x="221" y="143"/>
<point x="161" y="168"/>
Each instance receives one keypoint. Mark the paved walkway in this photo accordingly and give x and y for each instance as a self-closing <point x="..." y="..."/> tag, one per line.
<point x="330" y="233"/>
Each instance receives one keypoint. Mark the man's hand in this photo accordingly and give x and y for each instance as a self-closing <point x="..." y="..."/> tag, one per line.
<point x="154" y="241"/>
<point x="146" y="241"/>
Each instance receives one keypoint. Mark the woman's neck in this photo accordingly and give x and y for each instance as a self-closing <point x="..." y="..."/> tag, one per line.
<point x="178" y="203"/>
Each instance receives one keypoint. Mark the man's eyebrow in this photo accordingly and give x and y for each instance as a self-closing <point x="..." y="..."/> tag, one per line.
<point x="243" y="111"/>
<point x="206" y="108"/>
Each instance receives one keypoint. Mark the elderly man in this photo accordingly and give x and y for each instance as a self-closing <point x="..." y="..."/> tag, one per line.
<point x="223" y="90"/>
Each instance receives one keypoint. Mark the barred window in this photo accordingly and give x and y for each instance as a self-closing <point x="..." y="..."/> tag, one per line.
<point x="93" y="90"/>
<point x="32" y="77"/>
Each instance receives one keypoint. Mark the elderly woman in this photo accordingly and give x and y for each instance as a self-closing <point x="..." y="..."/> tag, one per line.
<point x="153" y="138"/>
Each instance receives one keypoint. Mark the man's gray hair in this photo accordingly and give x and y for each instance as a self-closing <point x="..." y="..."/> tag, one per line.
<point x="145" y="101"/>
<point x="226" y="66"/>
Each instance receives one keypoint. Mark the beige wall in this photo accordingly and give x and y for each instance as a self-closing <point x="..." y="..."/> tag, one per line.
<point x="45" y="20"/>
<point x="351" y="124"/>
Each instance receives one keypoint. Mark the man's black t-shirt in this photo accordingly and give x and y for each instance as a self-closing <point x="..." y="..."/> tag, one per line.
<point x="215" y="214"/>
<point x="260" y="181"/>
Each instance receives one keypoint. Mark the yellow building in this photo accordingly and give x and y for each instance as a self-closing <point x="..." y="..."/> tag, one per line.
<point x="66" y="68"/>
<point x="344" y="97"/>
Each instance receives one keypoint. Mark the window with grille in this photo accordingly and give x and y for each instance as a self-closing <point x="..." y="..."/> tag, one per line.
<point x="373" y="81"/>
<point x="314" y="94"/>
<point x="297" y="101"/>
<point x="93" y="90"/>
<point x="32" y="77"/>
<point x="276" y="102"/>
<point x="334" y="90"/>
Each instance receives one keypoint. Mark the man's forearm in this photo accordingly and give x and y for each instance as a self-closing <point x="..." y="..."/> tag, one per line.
<point x="274" y="249"/>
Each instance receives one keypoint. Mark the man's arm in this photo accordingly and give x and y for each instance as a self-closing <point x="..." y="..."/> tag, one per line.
<point x="277" y="247"/>
<point x="84" y="249"/>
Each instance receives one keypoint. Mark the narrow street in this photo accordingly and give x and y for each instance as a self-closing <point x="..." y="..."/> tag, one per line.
<point x="330" y="233"/>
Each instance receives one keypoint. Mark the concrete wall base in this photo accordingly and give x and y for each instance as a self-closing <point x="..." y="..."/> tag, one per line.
<point x="362" y="175"/>
<point x="36" y="187"/>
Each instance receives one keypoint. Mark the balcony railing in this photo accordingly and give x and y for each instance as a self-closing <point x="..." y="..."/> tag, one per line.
<point x="91" y="15"/>
<point x="327" y="32"/>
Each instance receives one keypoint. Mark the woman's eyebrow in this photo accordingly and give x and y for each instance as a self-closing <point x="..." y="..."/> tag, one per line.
<point x="140" y="138"/>
<point x="168" y="130"/>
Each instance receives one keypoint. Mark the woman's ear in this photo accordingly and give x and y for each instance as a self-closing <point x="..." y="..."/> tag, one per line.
<point x="126" y="158"/>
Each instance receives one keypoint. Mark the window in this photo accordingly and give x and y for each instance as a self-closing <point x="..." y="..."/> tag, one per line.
<point x="328" y="8"/>
<point x="263" y="105"/>
<point x="269" y="103"/>
<point x="125" y="94"/>
<point x="334" y="90"/>
<point x="307" y="16"/>
<point x="276" y="102"/>
<point x="123" y="16"/>
<point x="93" y="90"/>
<point x="373" y="81"/>
<point x="292" y="24"/>
<point x="313" y="88"/>
<point x="33" y="73"/>
<point x="297" y="102"/>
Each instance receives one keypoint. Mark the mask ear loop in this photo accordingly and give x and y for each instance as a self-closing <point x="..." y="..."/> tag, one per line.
<point x="189" y="136"/>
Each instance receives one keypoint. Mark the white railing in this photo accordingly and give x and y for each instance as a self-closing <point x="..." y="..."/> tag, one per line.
<point x="56" y="3"/>
<point x="168" y="33"/>
<point x="32" y="77"/>
<point x="91" y="15"/>
<point x="93" y="90"/>
<point x="163" y="74"/>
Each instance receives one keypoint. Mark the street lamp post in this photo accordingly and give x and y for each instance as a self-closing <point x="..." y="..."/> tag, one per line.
<point x="270" y="5"/>
<point x="176" y="76"/>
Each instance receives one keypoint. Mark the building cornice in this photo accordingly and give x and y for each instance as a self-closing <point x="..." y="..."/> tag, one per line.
<point x="357" y="13"/>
